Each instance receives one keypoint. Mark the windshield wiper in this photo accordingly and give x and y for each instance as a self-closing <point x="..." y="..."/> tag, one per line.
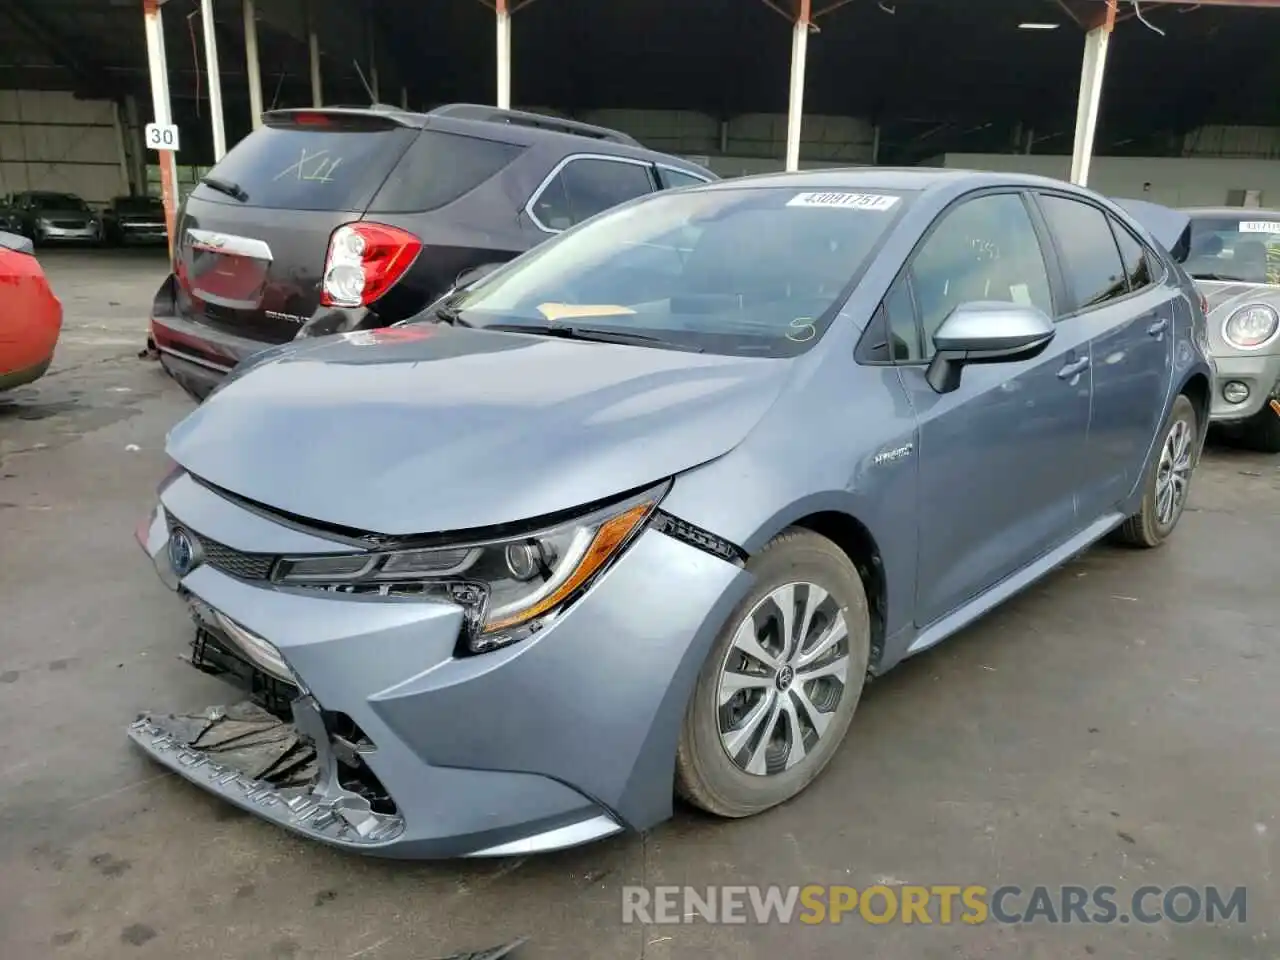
<point x="233" y="190"/>
<point x="593" y="335"/>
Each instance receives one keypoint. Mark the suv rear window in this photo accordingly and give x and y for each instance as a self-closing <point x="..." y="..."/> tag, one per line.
<point x="438" y="169"/>
<point x="310" y="167"/>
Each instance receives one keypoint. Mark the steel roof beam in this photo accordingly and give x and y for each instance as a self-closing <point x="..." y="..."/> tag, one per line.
<point x="88" y="74"/>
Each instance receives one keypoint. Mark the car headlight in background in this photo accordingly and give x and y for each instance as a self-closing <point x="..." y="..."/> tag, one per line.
<point x="510" y="587"/>
<point x="1251" y="327"/>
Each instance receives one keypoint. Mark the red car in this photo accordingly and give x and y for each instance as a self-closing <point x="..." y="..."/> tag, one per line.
<point x="30" y="315"/>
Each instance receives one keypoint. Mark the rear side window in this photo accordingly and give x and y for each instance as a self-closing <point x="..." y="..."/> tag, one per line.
<point x="587" y="186"/>
<point x="1134" y="256"/>
<point x="1090" y="260"/>
<point x="438" y="169"/>
<point x="671" y="179"/>
<point x="324" y="167"/>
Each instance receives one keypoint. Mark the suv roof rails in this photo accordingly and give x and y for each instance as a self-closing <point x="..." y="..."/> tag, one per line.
<point x="522" y="118"/>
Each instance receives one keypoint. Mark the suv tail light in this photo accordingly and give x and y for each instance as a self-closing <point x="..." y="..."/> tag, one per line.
<point x="364" y="261"/>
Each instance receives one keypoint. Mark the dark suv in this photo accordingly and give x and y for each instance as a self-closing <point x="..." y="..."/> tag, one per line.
<point x="339" y="219"/>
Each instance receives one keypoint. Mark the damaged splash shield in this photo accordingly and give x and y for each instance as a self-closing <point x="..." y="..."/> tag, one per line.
<point x="284" y="772"/>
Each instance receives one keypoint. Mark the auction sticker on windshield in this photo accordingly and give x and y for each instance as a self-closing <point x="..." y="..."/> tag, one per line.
<point x="1260" y="226"/>
<point x="845" y="201"/>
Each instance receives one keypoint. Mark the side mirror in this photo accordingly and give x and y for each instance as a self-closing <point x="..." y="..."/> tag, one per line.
<point x="985" y="332"/>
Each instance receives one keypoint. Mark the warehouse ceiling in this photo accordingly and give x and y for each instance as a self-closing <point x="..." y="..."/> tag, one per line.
<point x="936" y="74"/>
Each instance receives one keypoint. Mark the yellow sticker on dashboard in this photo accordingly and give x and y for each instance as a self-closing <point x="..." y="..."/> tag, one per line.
<point x="573" y="311"/>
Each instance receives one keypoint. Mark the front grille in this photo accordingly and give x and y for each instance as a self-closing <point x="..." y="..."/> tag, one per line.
<point x="246" y="566"/>
<point x="70" y="225"/>
<point x="228" y="560"/>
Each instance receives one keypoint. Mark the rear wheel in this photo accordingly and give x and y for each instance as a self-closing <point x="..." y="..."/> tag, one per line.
<point x="1168" y="480"/>
<point x="775" y="697"/>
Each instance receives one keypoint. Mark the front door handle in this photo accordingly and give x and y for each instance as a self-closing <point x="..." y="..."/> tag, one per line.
<point x="1074" y="369"/>
<point x="1159" y="327"/>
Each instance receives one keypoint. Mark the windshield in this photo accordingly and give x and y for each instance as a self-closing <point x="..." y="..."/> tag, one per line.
<point x="747" y="270"/>
<point x="58" y="201"/>
<point x="1237" y="248"/>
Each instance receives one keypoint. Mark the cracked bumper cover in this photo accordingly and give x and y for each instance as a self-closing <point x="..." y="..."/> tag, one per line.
<point x="483" y="755"/>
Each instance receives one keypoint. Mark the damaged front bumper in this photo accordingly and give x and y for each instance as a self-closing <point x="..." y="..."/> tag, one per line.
<point x="419" y="752"/>
<point x="285" y="772"/>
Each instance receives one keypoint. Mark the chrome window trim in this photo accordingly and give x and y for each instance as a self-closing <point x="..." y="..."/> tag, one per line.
<point x="555" y="172"/>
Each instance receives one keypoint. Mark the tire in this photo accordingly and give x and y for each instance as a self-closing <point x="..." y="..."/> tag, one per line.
<point x="1149" y="527"/>
<point x="1261" y="432"/>
<point x="763" y="777"/>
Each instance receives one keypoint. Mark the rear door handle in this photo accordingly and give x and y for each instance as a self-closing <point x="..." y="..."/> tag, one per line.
<point x="1074" y="369"/>
<point x="1159" y="327"/>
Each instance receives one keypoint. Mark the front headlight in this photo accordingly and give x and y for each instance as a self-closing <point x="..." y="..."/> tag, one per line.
<point x="1251" y="327"/>
<point x="510" y="587"/>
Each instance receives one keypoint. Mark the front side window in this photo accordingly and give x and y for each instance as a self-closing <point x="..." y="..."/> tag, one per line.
<point x="984" y="249"/>
<point x="747" y="271"/>
<point x="586" y="186"/>
<point x="1237" y="248"/>
<point x="1090" y="259"/>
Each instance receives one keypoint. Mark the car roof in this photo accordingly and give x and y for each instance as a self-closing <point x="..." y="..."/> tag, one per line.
<point x="1230" y="212"/>
<point x="520" y="128"/>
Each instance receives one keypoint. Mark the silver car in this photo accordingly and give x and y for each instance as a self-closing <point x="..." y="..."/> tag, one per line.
<point x="638" y="513"/>
<point x="1234" y="258"/>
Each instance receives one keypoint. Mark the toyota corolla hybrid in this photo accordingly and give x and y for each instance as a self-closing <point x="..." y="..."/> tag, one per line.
<point x="637" y="514"/>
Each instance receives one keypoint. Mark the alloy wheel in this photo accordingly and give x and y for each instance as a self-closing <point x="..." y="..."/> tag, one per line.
<point x="1174" y="473"/>
<point x="782" y="679"/>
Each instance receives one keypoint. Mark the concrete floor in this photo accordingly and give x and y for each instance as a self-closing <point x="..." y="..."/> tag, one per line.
<point x="1116" y="725"/>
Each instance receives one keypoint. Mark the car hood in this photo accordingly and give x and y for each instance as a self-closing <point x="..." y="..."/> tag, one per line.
<point x="1225" y="297"/>
<point x="429" y="428"/>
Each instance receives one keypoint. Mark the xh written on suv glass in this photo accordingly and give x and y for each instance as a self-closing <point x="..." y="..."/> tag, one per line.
<point x="748" y="270"/>
<point x="320" y="165"/>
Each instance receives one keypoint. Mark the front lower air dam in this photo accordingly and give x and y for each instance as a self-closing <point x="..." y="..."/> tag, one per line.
<point x="289" y="773"/>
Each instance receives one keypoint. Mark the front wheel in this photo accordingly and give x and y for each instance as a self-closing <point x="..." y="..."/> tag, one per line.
<point x="1168" y="480"/>
<point x="775" y="697"/>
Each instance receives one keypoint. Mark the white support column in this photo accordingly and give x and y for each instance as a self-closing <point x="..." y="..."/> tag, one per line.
<point x="404" y="98"/>
<point x="215" y="80"/>
<point x="795" y="101"/>
<point x="137" y="144"/>
<point x="313" y="43"/>
<point x="163" y="114"/>
<point x="252" y="64"/>
<point x="503" y="16"/>
<point x="122" y="146"/>
<point x="1092" y="72"/>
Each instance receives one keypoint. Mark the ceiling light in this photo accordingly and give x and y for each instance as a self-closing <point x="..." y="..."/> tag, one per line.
<point x="1038" y="26"/>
